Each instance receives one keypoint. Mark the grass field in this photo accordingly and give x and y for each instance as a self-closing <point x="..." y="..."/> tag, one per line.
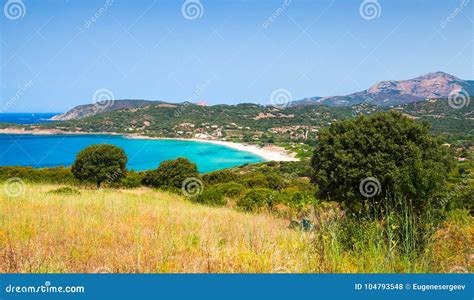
<point x="148" y="231"/>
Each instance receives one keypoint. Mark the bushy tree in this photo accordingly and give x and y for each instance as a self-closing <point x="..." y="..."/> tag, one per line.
<point x="256" y="198"/>
<point x="378" y="157"/>
<point x="220" y="176"/>
<point x="171" y="173"/>
<point x="100" y="163"/>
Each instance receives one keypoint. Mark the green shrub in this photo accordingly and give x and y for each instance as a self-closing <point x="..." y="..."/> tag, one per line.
<point x="38" y="175"/>
<point x="171" y="173"/>
<point x="256" y="198"/>
<point x="132" y="180"/>
<point x="230" y="189"/>
<point x="221" y="176"/>
<point x="210" y="197"/>
<point x="65" y="191"/>
<point x="382" y="154"/>
<point x="99" y="164"/>
<point x="217" y="194"/>
<point x="296" y="198"/>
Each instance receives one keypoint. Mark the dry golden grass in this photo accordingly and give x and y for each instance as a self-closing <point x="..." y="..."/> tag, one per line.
<point x="147" y="231"/>
<point x="140" y="231"/>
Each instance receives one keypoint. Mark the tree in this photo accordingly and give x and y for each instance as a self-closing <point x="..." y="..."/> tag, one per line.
<point x="171" y="173"/>
<point x="100" y="163"/>
<point x="378" y="157"/>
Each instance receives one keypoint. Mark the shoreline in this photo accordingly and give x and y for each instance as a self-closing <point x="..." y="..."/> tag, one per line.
<point x="268" y="153"/>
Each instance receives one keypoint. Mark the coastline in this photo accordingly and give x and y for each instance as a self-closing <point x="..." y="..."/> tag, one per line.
<point x="268" y="153"/>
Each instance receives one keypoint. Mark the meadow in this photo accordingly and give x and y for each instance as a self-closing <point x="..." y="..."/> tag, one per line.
<point x="145" y="230"/>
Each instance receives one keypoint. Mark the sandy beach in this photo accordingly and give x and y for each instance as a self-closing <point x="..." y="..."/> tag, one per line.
<point x="268" y="153"/>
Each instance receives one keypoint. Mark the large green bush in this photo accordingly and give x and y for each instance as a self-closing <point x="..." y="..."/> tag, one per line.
<point x="100" y="163"/>
<point x="221" y="176"/>
<point x="217" y="194"/>
<point x="393" y="153"/>
<point x="256" y="198"/>
<point x="171" y="173"/>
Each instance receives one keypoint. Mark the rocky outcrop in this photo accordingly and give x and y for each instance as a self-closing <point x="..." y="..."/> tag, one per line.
<point x="396" y="92"/>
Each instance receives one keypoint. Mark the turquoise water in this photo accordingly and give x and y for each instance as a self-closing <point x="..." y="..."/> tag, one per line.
<point x="60" y="150"/>
<point x="26" y="118"/>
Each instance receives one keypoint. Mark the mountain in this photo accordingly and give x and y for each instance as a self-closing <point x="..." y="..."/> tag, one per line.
<point x="396" y="92"/>
<point x="88" y="110"/>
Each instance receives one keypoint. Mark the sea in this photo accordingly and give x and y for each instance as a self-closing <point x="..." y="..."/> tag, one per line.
<point x="42" y="151"/>
<point x="26" y="118"/>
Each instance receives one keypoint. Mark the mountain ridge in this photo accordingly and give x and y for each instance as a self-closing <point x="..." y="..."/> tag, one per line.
<point x="395" y="92"/>
<point x="387" y="93"/>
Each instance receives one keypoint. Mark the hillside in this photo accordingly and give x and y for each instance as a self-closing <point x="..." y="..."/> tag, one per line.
<point x="249" y="121"/>
<point x="257" y="123"/>
<point x="453" y="124"/>
<point x="88" y="110"/>
<point x="145" y="231"/>
<point x="385" y="93"/>
<point x="395" y="92"/>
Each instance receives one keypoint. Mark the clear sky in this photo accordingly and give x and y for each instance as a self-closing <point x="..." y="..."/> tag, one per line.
<point x="57" y="54"/>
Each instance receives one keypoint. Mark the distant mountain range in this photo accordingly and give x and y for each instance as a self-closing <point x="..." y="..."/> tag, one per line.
<point x="396" y="92"/>
<point x="385" y="94"/>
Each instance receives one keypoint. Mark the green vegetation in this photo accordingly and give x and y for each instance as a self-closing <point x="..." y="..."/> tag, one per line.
<point x="171" y="173"/>
<point x="385" y="155"/>
<point x="99" y="164"/>
<point x="309" y="217"/>
<point x="295" y="127"/>
<point x="43" y="175"/>
<point x="65" y="191"/>
<point x="453" y="125"/>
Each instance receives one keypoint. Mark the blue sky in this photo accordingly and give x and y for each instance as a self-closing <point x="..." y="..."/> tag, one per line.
<point x="57" y="54"/>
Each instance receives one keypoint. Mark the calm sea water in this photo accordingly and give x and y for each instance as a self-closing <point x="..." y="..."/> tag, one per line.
<point x="26" y="118"/>
<point x="60" y="150"/>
